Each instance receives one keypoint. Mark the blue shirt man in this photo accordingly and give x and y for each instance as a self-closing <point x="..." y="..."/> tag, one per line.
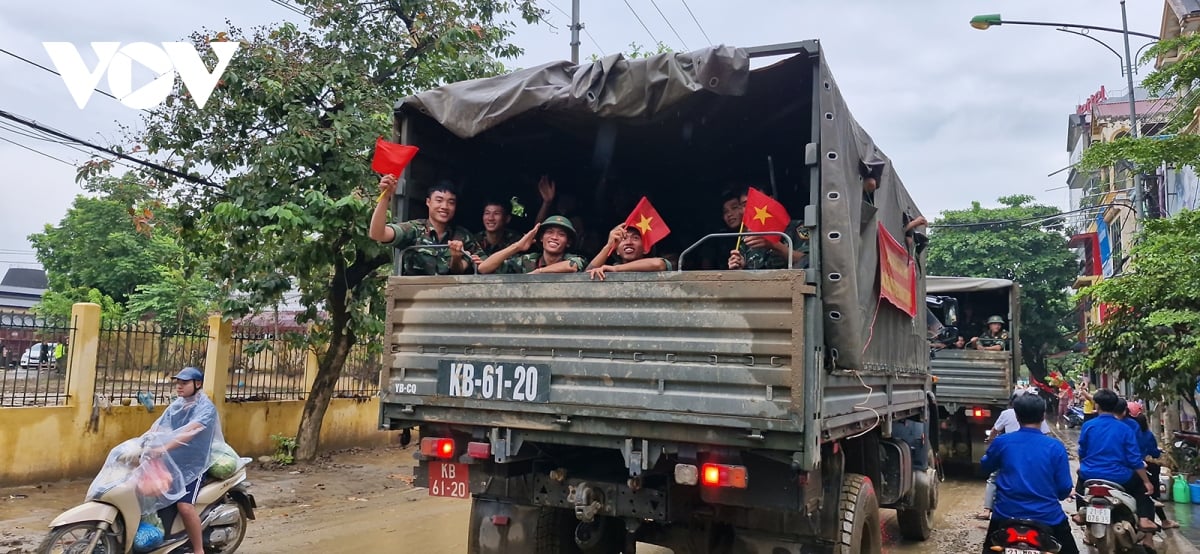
<point x="1032" y="475"/>
<point x="1108" y="449"/>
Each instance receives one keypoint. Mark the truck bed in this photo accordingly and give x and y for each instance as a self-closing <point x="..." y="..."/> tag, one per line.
<point x="972" y="377"/>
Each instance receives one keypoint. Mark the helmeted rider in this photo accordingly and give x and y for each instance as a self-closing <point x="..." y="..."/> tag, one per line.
<point x="1032" y="475"/>
<point x="995" y="337"/>
<point x="184" y="434"/>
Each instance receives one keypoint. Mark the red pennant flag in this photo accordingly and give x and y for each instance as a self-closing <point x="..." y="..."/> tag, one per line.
<point x="392" y="158"/>
<point x="763" y="214"/>
<point x="646" y="220"/>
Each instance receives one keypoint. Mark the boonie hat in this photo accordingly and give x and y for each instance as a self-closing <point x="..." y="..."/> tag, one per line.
<point x="190" y="374"/>
<point x="560" y="221"/>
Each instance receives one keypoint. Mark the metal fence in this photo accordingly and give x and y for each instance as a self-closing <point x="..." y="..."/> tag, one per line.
<point x="265" y="365"/>
<point x="360" y="375"/>
<point x="136" y="361"/>
<point x="33" y="359"/>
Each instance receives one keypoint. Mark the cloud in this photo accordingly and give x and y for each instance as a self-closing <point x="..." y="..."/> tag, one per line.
<point x="965" y="115"/>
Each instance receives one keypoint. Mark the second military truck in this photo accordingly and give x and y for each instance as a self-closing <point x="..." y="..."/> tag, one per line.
<point x="770" y="411"/>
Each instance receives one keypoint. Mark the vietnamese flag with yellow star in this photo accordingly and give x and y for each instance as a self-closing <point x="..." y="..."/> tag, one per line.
<point x="646" y="220"/>
<point x="764" y="214"/>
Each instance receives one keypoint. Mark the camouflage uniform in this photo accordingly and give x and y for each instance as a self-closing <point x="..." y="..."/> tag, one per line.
<point x="429" y="261"/>
<point x="508" y="237"/>
<point x="526" y="263"/>
<point x="616" y="260"/>
<point x="767" y="258"/>
<point x="988" y="339"/>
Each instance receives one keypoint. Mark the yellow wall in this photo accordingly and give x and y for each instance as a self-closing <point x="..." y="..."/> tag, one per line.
<point x="46" y="444"/>
<point x="51" y="443"/>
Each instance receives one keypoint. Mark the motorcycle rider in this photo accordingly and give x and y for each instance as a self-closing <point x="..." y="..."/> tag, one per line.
<point x="186" y="432"/>
<point x="1032" y="475"/>
<point x="1108" y="450"/>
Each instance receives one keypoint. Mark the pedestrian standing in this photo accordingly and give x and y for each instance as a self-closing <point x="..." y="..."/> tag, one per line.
<point x="1151" y="453"/>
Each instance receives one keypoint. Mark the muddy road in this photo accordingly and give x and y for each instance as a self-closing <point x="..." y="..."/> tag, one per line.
<point x="361" y="501"/>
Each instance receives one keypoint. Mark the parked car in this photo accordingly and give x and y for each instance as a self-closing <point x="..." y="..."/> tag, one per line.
<point x="34" y="357"/>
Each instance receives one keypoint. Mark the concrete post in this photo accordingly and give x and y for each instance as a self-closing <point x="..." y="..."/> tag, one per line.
<point x="81" y="360"/>
<point x="216" y="363"/>
<point x="311" y="365"/>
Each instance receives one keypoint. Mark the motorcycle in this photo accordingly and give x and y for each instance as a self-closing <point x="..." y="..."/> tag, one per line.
<point x="1074" y="417"/>
<point x="1187" y="444"/>
<point x="1021" y="536"/>
<point x="1110" y="519"/>
<point x="109" y="522"/>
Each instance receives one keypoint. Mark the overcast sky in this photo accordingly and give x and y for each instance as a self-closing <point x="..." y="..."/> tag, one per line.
<point x="964" y="114"/>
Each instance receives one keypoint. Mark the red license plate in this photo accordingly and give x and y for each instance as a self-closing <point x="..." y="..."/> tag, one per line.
<point x="447" y="479"/>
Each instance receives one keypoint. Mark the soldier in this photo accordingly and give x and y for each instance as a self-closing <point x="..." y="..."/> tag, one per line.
<point x="556" y="233"/>
<point x="995" y="338"/>
<point x="625" y="245"/>
<point x="759" y="253"/>
<point x="442" y="201"/>
<point x="496" y="234"/>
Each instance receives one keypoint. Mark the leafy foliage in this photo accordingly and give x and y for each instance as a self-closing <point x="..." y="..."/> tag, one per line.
<point x="1172" y="147"/>
<point x="282" y="189"/>
<point x="1021" y="242"/>
<point x="1150" y="334"/>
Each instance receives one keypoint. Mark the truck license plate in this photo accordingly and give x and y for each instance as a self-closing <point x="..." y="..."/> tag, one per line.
<point x="447" y="479"/>
<point x="1099" y="515"/>
<point x="1008" y="550"/>
<point x="513" y="382"/>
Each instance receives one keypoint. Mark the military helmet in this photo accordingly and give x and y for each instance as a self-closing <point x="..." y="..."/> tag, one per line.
<point x="560" y="221"/>
<point x="995" y="319"/>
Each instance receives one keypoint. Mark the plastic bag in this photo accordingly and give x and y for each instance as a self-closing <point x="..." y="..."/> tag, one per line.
<point x="148" y="537"/>
<point x="223" y="461"/>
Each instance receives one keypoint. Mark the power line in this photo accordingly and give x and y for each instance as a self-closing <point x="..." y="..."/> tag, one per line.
<point x="172" y="172"/>
<point x="672" y="27"/>
<point x="1025" y="219"/>
<point x="40" y="66"/>
<point x="639" y="20"/>
<point x="689" y="10"/>
<point x="35" y="151"/>
<point x="4" y="125"/>
<point x="585" y="31"/>
<point x="286" y="5"/>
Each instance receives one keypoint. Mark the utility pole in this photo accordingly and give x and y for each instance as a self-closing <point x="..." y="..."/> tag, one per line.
<point x="575" y="27"/>
<point x="1133" y="125"/>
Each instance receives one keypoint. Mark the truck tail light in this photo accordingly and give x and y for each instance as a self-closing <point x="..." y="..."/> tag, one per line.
<point x="979" y="412"/>
<point x="479" y="450"/>
<point x="437" y="448"/>
<point x="721" y="475"/>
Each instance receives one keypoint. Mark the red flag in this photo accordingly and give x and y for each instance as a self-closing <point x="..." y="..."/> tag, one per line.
<point x="646" y="220"/>
<point x="763" y="213"/>
<point x="392" y="158"/>
<point x="897" y="273"/>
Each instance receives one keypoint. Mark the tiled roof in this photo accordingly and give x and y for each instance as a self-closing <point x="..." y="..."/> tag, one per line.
<point x="25" y="278"/>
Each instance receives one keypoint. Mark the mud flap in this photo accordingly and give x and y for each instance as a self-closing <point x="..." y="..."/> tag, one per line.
<point x="498" y="527"/>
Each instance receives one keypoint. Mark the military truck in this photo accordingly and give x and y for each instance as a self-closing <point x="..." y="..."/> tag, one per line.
<point x="703" y="410"/>
<point x="973" y="386"/>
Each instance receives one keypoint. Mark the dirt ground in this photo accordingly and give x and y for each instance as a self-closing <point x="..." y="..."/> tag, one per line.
<point x="362" y="501"/>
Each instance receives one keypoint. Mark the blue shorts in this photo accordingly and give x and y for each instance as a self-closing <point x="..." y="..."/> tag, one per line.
<point x="191" y="493"/>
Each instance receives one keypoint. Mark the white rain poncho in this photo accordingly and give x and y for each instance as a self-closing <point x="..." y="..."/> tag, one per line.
<point x="168" y="457"/>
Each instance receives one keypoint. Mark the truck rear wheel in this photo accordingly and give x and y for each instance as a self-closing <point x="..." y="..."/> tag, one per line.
<point x="858" y="517"/>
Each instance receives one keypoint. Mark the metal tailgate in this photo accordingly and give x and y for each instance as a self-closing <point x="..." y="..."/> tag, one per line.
<point x="972" y="376"/>
<point x="694" y="348"/>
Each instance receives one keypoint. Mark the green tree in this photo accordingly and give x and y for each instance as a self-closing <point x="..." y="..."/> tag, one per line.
<point x="97" y="245"/>
<point x="1150" y="335"/>
<point x="283" y="148"/>
<point x="1018" y="241"/>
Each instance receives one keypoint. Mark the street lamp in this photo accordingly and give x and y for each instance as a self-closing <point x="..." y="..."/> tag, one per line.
<point x="987" y="21"/>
